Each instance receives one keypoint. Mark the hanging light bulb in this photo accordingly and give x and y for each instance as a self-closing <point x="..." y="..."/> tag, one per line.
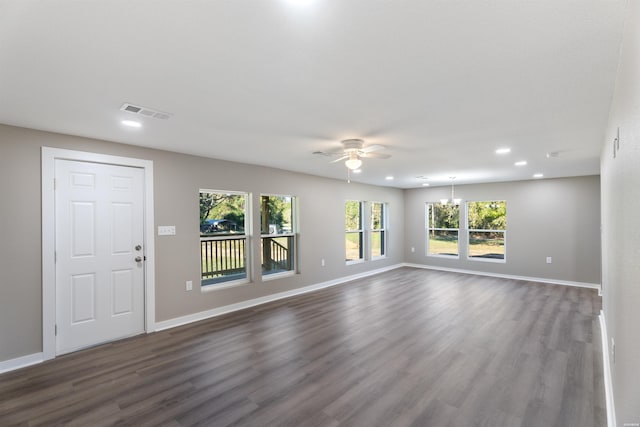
<point x="354" y="162"/>
<point x="453" y="199"/>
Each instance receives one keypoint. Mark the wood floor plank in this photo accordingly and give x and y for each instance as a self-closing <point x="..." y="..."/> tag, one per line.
<point x="408" y="347"/>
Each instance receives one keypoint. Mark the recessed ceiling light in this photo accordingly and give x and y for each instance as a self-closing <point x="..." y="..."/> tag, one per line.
<point x="538" y="175"/>
<point x="520" y="163"/>
<point x="425" y="184"/>
<point x="503" y="150"/>
<point x="131" y="123"/>
<point x="356" y="170"/>
<point x="389" y="178"/>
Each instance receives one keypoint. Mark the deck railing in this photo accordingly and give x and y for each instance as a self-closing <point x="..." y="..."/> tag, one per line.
<point x="277" y="253"/>
<point x="223" y="257"/>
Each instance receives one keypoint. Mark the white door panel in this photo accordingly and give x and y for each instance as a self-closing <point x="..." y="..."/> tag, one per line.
<point x="99" y="223"/>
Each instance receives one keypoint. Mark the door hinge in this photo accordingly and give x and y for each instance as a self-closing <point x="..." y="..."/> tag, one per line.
<point x="55" y="257"/>
<point x="54" y="184"/>
<point x="56" y="330"/>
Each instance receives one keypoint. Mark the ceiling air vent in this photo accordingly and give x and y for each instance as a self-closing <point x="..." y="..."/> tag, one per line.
<point x="144" y="111"/>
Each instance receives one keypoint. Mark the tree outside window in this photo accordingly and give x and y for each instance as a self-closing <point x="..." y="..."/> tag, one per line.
<point x="223" y="240"/>
<point x="487" y="225"/>
<point x="354" y="233"/>
<point x="443" y="224"/>
<point x="277" y="231"/>
<point x="378" y="230"/>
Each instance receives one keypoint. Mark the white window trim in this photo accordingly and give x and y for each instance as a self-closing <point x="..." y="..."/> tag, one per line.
<point x="427" y="229"/>
<point x="281" y="275"/>
<point x="224" y="285"/>
<point x="296" y="237"/>
<point x="248" y="244"/>
<point x="49" y="156"/>
<point x="468" y="230"/>
<point x="384" y="231"/>
<point x="361" y="230"/>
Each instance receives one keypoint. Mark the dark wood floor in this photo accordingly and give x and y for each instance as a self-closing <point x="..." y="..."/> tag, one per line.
<point x="405" y="348"/>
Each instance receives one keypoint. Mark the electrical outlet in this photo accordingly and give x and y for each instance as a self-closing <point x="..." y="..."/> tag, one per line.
<point x="322" y="262"/>
<point x="413" y="249"/>
<point x="189" y="285"/>
<point x="549" y="260"/>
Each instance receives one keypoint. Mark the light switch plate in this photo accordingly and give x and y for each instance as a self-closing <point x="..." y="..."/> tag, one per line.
<point x="166" y="230"/>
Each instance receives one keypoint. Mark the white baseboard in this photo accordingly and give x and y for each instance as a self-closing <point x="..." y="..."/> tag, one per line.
<point x="32" y="359"/>
<point x="606" y="367"/>
<point x="508" y="276"/>
<point x="21" y="362"/>
<point x="183" y="320"/>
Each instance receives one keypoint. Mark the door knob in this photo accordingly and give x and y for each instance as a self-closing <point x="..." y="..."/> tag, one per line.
<point x="138" y="259"/>
<point x="138" y="247"/>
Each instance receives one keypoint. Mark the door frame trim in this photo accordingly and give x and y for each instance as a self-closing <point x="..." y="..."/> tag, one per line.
<point x="49" y="156"/>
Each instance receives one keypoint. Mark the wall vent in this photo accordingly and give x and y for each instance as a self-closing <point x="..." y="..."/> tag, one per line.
<point x="144" y="111"/>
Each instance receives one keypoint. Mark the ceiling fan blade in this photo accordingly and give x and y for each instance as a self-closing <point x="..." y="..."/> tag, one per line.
<point x="376" y="155"/>
<point x="371" y="148"/>
<point x="337" y="160"/>
<point x="330" y="153"/>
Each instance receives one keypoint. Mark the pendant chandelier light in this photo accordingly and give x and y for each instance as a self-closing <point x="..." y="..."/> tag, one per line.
<point x="453" y="199"/>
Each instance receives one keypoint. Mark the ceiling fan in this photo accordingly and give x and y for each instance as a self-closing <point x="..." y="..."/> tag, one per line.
<point x="353" y="151"/>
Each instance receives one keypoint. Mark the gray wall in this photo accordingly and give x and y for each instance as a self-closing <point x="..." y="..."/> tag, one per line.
<point x="559" y="218"/>
<point x="620" y="230"/>
<point x="177" y="181"/>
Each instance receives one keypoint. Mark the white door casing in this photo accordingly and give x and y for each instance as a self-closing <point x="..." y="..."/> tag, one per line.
<point x="121" y="276"/>
<point x="99" y="235"/>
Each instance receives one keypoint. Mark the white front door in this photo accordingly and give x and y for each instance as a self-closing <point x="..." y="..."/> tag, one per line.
<point x="99" y="232"/>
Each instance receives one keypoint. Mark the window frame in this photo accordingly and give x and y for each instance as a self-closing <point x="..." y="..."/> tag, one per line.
<point x="428" y="229"/>
<point x="247" y="237"/>
<point x="293" y="234"/>
<point x="360" y="231"/>
<point x="468" y="230"/>
<point x="383" y="230"/>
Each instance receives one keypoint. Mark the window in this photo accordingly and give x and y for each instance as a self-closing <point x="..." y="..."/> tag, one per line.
<point x="378" y="230"/>
<point x="223" y="241"/>
<point x="487" y="225"/>
<point x="443" y="223"/>
<point x="277" y="230"/>
<point x="354" y="232"/>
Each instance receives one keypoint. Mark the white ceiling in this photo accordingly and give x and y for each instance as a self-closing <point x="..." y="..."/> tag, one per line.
<point x="442" y="84"/>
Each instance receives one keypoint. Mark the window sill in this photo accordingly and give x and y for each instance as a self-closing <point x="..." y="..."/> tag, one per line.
<point x="275" y="276"/>
<point x="355" y="261"/>
<point x="224" y="285"/>
<point x="377" y="258"/>
<point x="444" y="256"/>
<point x="493" y="260"/>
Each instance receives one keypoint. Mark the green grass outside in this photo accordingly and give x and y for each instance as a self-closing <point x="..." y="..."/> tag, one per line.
<point x="442" y="245"/>
<point x="480" y="248"/>
<point x="486" y="248"/>
<point x="352" y="245"/>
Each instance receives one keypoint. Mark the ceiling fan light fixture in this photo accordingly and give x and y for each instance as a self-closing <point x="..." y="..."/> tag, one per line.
<point x="354" y="162"/>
